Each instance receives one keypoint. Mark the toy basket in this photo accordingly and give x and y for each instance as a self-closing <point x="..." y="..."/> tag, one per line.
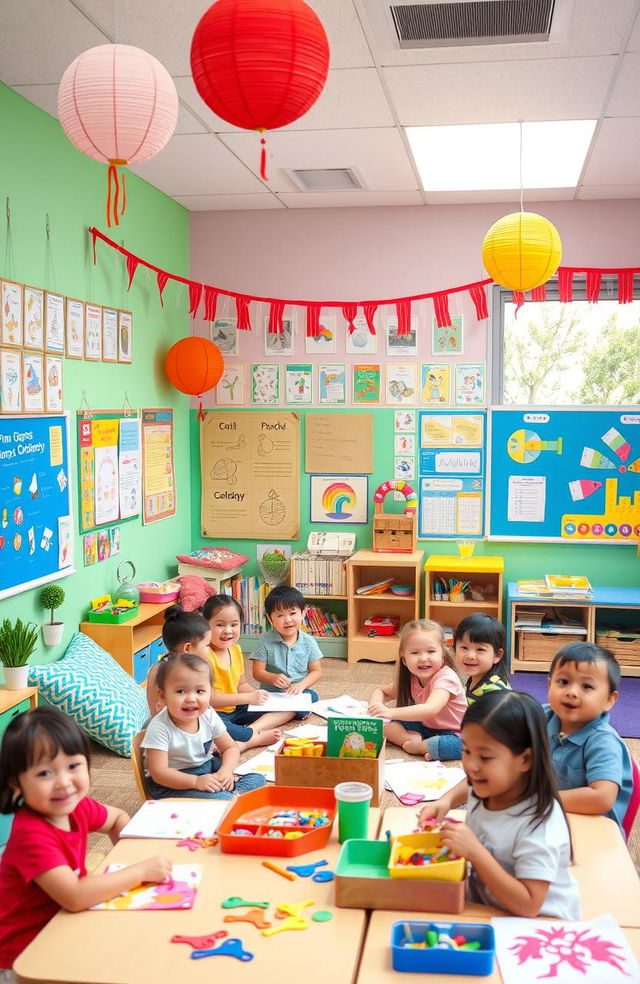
<point x="155" y="593"/>
<point x="407" y="844"/>
<point x="625" y="649"/>
<point x="265" y="833"/>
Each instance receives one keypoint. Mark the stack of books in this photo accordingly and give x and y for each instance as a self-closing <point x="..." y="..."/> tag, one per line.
<point x="316" y="574"/>
<point x="376" y="587"/>
<point x="557" y="586"/>
<point x="320" y="623"/>
<point x="250" y="592"/>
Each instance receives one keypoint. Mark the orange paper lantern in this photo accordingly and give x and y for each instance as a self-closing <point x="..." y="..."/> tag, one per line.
<point x="194" y="365"/>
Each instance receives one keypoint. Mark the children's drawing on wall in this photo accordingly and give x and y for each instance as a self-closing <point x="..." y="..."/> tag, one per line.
<point x="104" y="545"/>
<point x="230" y="389"/>
<point x="33" y="318"/>
<point x="279" y="343"/>
<point x="435" y="383"/>
<point x="449" y="339"/>
<point x="404" y="421"/>
<point x="402" y="345"/>
<point x="114" y="540"/>
<point x="10" y="381"/>
<point x="339" y="499"/>
<point x="404" y="468"/>
<point x="332" y="384"/>
<point x="89" y="549"/>
<point x="75" y="329"/>
<point x="469" y="383"/>
<point x="53" y="384"/>
<point x="53" y="322"/>
<point x="401" y="383"/>
<point x="404" y="444"/>
<point x="325" y="342"/>
<point x="109" y="335"/>
<point x="65" y="542"/>
<point x="93" y="333"/>
<point x="360" y="341"/>
<point x="33" y="385"/>
<point x="11" y="315"/>
<point x="265" y="384"/>
<point x="224" y="334"/>
<point x="298" y="383"/>
<point x="366" y="383"/>
<point x="125" y="336"/>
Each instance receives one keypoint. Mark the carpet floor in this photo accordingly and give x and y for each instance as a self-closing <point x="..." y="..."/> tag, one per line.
<point x="112" y="776"/>
<point x="625" y="713"/>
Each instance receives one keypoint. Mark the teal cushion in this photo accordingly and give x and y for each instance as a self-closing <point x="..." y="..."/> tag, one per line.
<point x="89" y="686"/>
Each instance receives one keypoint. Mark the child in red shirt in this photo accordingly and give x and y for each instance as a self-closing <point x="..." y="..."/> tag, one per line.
<point x="44" y="780"/>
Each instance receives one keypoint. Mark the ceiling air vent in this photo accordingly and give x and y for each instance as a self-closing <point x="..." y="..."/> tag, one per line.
<point x="324" y="179"/>
<point x="430" y="25"/>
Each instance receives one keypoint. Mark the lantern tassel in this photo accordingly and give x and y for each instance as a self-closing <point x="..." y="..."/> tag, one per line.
<point x="124" y="195"/>
<point x="112" y="176"/>
<point x="200" y="415"/>
<point x="263" y="160"/>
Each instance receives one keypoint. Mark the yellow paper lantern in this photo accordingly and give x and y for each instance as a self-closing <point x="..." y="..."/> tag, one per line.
<point x="522" y="250"/>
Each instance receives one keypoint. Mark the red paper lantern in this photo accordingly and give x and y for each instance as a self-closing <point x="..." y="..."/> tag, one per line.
<point x="194" y="365"/>
<point x="260" y="64"/>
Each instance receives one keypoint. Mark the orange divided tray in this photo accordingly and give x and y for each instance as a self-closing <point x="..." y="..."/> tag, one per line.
<point x="256" y="812"/>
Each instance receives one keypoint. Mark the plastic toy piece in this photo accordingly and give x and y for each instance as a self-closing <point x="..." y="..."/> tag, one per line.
<point x="230" y="948"/>
<point x="292" y="908"/>
<point x="234" y="902"/>
<point x="291" y="922"/>
<point x="200" y="942"/>
<point x="278" y="870"/>
<point x="322" y="915"/>
<point x="193" y="843"/>
<point x="255" y="916"/>
<point x="306" y="870"/>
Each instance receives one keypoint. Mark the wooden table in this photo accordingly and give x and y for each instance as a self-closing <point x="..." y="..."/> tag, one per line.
<point x="9" y="698"/>
<point x="107" y="947"/>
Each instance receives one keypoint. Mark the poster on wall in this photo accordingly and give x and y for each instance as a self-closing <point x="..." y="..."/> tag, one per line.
<point x="129" y="467"/>
<point x="404" y="346"/>
<point x="332" y="384"/>
<point x="108" y="467"/>
<point x="10" y="381"/>
<point x="125" y="336"/>
<point x="250" y="472"/>
<point x="54" y="322"/>
<point x="401" y="384"/>
<point x="158" y="476"/>
<point x="33" y="318"/>
<point x="298" y="383"/>
<point x="75" y="328"/>
<point x="435" y="383"/>
<point x="265" y="384"/>
<point x="361" y="341"/>
<point x="230" y="389"/>
<point x="366" y="383"/>
<point x="279" y="343"/>
<point x="224" y="333"/>
<point x="324" y="343"/>
<point x="11" y="313"/>
<point x="448" y="339"/>
<point x="469" y="383"/>
<point x="93" y="333"/>
<point x="32" y="382"/>
<point x="338" y="499"/>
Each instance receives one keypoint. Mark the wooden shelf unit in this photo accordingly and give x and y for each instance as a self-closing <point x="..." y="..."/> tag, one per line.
<point x="136" y="644"/>
<point x="484" y="571"/>
<point x="366" y="567"/>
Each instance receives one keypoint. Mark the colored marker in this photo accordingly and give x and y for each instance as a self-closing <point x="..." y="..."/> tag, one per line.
<point x="582" y="488"/>
<point x="278" y="870"/>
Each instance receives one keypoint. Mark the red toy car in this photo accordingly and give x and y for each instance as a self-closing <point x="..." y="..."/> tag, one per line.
<point x="382" y="625"/>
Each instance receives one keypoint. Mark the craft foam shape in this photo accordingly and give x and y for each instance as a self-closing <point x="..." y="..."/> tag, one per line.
<point x="230" y="948"/>
<point x="234" y="902"/>
<point x="290" y="923"/>
<point x="292" y="908"/>
<point x="254" y="916"/>
<point x="200" y="942"/>
<point x="322" y="876"/>
<point x="306" y="870"/>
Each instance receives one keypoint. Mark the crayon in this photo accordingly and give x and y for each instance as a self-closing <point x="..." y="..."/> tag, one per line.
<point x="278" y="870"/>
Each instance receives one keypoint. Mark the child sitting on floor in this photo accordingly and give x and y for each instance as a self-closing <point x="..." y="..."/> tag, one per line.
<point x="479" y="643"/>
<point x="592" y="763"/>
<point x="429" y="696"/>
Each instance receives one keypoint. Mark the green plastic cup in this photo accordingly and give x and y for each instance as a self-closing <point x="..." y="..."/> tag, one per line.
<point x="354" y="799"/>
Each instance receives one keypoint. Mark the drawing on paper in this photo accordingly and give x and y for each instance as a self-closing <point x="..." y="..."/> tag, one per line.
<point x="469" y="383"/>
<point x="279" y="343"/>
<point x="272" y="509"/>
<point x="435" y="383"/>
<point x="361" y="341"/>
<point x="448" y="339"/>
<point x="339" y="498"/>
<point x="265" y="388"/>
<point x="224" y="470"/>
<point x="177" y="893"/>
<point x="324" y="343"/>
<point x="224" y="334"/>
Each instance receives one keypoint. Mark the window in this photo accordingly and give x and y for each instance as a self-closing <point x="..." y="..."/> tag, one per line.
<point x="556" y="354"/>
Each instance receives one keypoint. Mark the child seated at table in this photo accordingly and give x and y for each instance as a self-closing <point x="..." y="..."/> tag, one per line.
<point x="44" y="781"/>
<point x="592" y="763"/>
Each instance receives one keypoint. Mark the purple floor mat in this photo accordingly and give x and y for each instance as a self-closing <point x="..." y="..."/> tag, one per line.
<point x="625" y="714"/>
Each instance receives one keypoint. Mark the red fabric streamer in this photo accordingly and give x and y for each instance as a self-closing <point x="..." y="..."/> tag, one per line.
<point x="242" y="310"/>
<point x="625" y="286"/>
<point x="403" y="310"/>
<point x="195" y="293"/>
<point x="441" y="308"/>
<point x="275" y="318"/>
<point x="518" y="300"/>
<point x="479" y="298"/>
<point x="210" y="303"/>
<point x="313" y="320"/>
<point x="349" y="311"/>
<point x="369" y="310"/>
<point x="132" y="265"/>
<point x="162" y="278"/>
<point x="539" y="293"/>
<point x="565" y="285"/>
<point x="594" y="280"/>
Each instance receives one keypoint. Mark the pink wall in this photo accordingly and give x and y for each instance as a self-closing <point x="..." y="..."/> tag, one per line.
<point x="348" y="254"/>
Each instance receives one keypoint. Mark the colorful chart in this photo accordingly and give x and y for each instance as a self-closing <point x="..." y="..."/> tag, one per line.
<point x="524" y="446"/>
<point x="337" y="499"/>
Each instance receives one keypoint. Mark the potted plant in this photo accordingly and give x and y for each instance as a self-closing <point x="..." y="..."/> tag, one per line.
<point x="51" y="597"/>
<point x="17" y="642"/>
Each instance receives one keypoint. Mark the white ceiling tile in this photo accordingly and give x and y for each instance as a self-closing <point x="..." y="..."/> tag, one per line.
<point x="162" y="27"/>
<point x="499" y="92"/>
<point x="197" y="165"/>
<point x="190" y="97"/>
<point x="634" y="40"/>
<point x="378" y="156"/>
<point x="350" y="199"/>
<point x="103" y="13"/>
<point x="352" y="97"/>
<point x="615" y="159"/>
<point x="508" y="197"/>
<point x="228" y="203"/>
<point x="347" y="41"/>
<point x="40" y="39"/>
<point x="187" y="122"/>
<point x="602" y="192"/>
<point x="625" y="98"/>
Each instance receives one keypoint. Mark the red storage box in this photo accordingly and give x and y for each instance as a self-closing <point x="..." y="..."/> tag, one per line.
<point x="256" y="812"/>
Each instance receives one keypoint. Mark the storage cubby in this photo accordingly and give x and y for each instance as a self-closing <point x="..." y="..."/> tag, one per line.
<point x="485" y="572"/>
<point x="367" y="567"/>
<point x="137" y="644"/>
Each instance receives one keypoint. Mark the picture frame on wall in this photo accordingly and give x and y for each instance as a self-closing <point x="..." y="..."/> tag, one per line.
<point x="332" y="385"/>
<point x="298" y="383"/>
<point x="265" y="384"/>
<point x="223" y="332"/>
<point x="339" y="499"/>
<point x="469" y="383"/>
<point x="401" y="384"/>
<point x="436" y="383"/>
<point x="404" y="346"/>
<point x="325" y="342"/>
<point x="360" y="341"/>
<point x="32" y="382"/>
<point x="11" y="315"/>
<point x="10" y="381"/>
<point x="53" y="399"/>
<point x="230" y="390"/>
<point x="404" y="421"/>
<point x="281" y="343"/>
<point x="365" y="386"/>
<point x="109" y="335"/>
<point x="33" y="318"/>
<point x="54" y="322"/>
<point x="93" y="333"/>
<point x="125" y="337"/>
<point x="450" y="339"/>
<point x="75" y="328"/>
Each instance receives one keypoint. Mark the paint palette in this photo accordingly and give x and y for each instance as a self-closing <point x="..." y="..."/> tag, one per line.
<point x="283" y="821"/>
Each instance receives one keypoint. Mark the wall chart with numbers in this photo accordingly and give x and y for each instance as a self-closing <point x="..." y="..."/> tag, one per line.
<point x="568" y="475"/>
<point x="451" y="467"/>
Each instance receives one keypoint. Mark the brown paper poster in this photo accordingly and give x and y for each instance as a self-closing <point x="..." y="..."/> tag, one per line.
<point x="250" y="464"/>
<point x="339" y="443"/>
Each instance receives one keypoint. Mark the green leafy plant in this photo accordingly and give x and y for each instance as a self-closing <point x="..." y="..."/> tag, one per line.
<point x="51" y="597"/>
<point x="17" y="642"/>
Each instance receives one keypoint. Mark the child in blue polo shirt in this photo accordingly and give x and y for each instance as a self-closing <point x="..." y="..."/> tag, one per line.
<point x="592" y="763"/>
<point x="287" y="659"/>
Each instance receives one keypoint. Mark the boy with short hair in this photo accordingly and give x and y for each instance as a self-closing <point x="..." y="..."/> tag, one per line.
<point x="285" y="658"/>
<point x="592" y="763"/>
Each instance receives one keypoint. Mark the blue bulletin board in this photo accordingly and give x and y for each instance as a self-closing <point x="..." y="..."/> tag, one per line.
<point x="36" y="532"/>
<point x="565" y="475"/>
<point x="452" y="470"/>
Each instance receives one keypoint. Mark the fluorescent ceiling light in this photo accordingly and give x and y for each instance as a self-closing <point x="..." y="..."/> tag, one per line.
<point x="486" y="156"/>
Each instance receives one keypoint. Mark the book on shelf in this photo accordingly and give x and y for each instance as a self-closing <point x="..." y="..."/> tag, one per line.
<point x="376" y="587"/>
<point x="315" y="574"/>
<point x="530" y="618"/>
<point x="567" y="582"/>
<point x="551" y="589"/>
<point x="250" y="594"/>
<point x="323" y="624"/>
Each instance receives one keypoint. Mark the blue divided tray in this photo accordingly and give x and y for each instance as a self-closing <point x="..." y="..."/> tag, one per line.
<point x="434" y="961"/>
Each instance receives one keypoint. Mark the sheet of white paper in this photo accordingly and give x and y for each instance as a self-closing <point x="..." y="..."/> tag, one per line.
<point x="429" y="780"/>
<point x="173" y="820"/>
<point x="263" y="763"/>
<point x="283" y="702"/>
<point x="526" y="499"/>
<point x="531" y="950"/>
<point x="317" y="732"/>
<point x="343" y="706"/>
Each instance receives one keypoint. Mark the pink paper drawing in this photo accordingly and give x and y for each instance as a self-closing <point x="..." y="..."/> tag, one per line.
<point x="177" y="893"/>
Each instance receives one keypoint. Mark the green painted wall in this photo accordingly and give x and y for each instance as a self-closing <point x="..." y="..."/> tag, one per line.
<point x="604" y="565"/>
<point x="42" y="173"/>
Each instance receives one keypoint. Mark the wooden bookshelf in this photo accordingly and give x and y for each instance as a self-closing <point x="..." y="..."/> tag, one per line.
<point x="366" y="567"/>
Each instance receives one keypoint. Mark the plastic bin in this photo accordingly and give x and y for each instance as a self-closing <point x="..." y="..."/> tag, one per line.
<point x="255" y="811"/>
<point x="430" y="960"/>
<point x="405" y="844"/>
<point x="110" y="619"/>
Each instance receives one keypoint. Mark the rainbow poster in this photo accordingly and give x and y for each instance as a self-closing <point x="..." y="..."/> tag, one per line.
<point x="338" y="499"/>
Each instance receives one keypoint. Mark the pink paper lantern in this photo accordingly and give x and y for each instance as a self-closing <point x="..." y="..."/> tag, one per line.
<point x="119" y="105"/>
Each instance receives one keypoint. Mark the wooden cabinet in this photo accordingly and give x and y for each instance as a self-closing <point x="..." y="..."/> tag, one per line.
<point x="136" y="644"/>
<point x="486" y="572"/>
<point x="12" y="703"/>
<point x="367" y="567"/>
